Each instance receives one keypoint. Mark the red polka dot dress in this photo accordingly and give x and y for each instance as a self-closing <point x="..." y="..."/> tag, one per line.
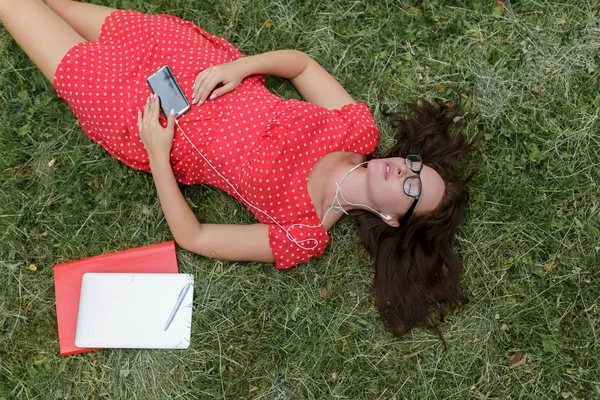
<point x="261" y="148"/>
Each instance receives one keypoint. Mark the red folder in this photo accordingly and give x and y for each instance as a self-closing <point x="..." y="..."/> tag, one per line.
<point x="159" y="258"/>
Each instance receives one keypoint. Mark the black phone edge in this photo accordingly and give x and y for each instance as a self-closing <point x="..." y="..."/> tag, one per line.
<point x="172" y="76"/>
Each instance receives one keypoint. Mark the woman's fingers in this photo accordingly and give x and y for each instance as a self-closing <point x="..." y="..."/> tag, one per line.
<point x="199" y="78"/>
<point x="198" y="82"/>
<point x="140" y="120"/>
<point x="146" y="111"/>
<point x="199" y="94"/>
<point x="171" y="121"/>
<point x="157" y="140"/>
<point x="209" y="86"/>
<point x="155" y="108"/>
<point x="150" y="114"/>
<point x="205" y="83"/>
<point x="222" y="90"/>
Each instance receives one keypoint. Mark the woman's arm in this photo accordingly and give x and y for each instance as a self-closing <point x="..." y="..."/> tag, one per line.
<point x="231" y="242"/>
<point x="310" y="79"/>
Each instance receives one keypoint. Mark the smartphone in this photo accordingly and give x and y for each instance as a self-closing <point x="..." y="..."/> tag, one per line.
<point x="164" y="84"/>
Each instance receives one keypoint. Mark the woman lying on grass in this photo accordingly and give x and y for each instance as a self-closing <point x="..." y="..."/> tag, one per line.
<point x="297" y="165"/>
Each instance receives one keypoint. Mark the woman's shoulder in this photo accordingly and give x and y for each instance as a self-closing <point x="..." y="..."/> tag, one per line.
<point x="358" y="113"/>
<point x="361" y="132"/>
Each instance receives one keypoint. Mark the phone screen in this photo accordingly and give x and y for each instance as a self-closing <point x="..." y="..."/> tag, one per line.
<point x="163" y="83"/>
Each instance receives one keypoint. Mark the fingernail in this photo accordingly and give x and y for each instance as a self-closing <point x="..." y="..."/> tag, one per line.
<point x="213" y="96"/>
<point x="172" y="112"/>
<point x="193" y="95"/>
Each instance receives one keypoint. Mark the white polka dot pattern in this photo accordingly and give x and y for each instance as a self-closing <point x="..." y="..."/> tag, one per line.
<point x="264" y="145"/>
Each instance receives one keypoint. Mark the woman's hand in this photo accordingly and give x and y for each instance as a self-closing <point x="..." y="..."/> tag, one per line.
<point x="229" y="75"/>
<point x="157" y="140"/>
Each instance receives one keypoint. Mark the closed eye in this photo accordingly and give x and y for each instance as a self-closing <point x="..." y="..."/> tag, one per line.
<point x="412" y="187"/>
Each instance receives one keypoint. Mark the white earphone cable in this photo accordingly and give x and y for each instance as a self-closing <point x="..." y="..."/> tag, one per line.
<point x="301" y="243"/>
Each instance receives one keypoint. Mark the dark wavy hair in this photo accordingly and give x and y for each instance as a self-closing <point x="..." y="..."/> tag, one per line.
<point x="417" y="272"/>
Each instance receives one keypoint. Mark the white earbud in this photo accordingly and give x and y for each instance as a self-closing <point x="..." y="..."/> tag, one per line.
<point x="385" y="216"/>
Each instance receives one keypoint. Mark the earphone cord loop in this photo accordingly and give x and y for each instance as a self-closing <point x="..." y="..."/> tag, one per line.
<point x="300" y="243"/>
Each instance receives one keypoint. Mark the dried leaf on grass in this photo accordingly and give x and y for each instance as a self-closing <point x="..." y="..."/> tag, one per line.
<point x="333" y="377"/>
<point x="517" y="359"/>
<point x="549" y="266"/>
<point x="498" y="8"/>
<point x="191" y="203"/>
<point x="37" y="234"/>
<point x="20" y="171"/>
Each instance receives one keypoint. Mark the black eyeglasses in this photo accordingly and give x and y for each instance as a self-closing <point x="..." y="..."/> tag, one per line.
<point x="412" y="184"/>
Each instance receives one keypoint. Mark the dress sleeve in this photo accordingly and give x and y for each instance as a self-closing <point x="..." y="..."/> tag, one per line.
<point x="362" y="133"/>
<point x="309" y="243"/>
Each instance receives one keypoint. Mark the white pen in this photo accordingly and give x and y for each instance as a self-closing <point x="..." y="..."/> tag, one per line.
<point x="180" y="298"/>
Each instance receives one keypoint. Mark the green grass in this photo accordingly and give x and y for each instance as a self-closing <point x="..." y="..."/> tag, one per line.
<point x="528" y="76"/>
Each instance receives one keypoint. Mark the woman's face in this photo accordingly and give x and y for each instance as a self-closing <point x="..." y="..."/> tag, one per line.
<point x="385" y="183"/>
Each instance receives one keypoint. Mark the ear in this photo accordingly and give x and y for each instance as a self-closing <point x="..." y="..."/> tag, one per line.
<point x="392" y="222"/>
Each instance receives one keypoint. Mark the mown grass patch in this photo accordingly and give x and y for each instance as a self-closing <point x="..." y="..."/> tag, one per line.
<point x="526" y="73"/>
